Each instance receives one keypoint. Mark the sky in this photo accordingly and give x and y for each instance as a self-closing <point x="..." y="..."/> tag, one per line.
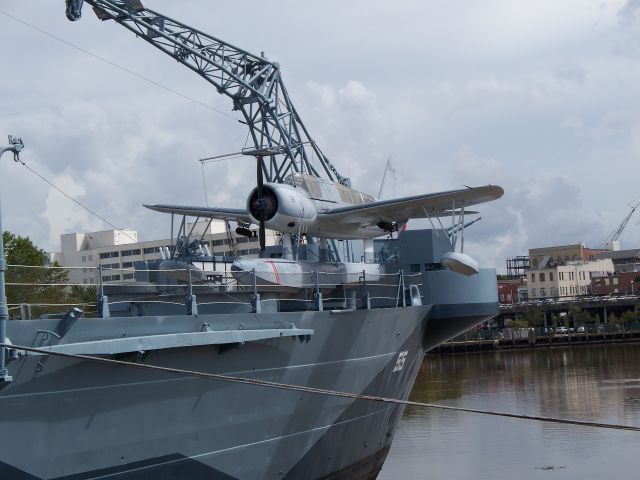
<point x="540" y="98"/>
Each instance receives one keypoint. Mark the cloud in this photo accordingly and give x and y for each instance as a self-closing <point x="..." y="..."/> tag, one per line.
<point x="528" y="96"/>
<point x="629" y="15"/>
<point x="353" y="130"/>
<point x="538" y="209"/>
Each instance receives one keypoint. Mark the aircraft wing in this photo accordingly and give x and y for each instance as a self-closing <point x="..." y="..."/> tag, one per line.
<point x="235" y="214"/>
<point x="402" y="209"/>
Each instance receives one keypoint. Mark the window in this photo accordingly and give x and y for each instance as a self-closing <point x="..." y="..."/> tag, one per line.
<point x="127" y="276"/>
<point x="542" y="278"/>
<point x="111" y="278"/>
<point x="502" y="297"/>
<point x="543" y="292"/>
<point x="533" y="292"/>
<point x="606" y="282"/>
<point x="127" y="264"/>
<point x="84" y="258"/>
<point x="129" y="253"/>
<point x="615" y="280"/>
<point x="109" y="255"/>
<point x="149" y="250"/>
<point x="551" y="276"/>
<point x="90" y="258"/>
<point x="415" y="267"/>
<point x="533" y="278"/>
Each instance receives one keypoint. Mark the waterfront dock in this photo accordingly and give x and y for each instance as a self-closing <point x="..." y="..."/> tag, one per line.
<point x="508" y="339"/>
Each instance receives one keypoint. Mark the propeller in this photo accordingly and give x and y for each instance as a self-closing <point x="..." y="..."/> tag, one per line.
<point x="263" y="203"/>
<point x="261" y="206"/>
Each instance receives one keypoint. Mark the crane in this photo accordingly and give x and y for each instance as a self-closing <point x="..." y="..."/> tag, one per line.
<point x="613" y="236"/>
<point x="253" y="83"/>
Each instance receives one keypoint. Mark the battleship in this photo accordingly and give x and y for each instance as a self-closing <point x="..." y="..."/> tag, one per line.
<point x="176" y="372"/>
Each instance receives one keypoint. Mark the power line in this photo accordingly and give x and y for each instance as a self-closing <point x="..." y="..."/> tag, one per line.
<point x="76" y="201"/>
<point x="318" y="391"/>
<point x="115" y="65"/>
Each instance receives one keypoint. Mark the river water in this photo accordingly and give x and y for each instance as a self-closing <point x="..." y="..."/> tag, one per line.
<point x="593" y="383"/>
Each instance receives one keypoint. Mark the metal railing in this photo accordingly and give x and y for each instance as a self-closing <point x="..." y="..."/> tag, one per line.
<point x="34" y="291"/>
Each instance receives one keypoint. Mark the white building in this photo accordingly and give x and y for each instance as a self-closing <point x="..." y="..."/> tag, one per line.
<point x="566" y="280"/>
<point x="118" y="249"/>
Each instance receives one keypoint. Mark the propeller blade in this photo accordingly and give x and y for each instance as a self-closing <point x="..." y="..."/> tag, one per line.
<point x="262" y="237"/>
<point x="261" y="200"/>
<point x="260" y="177"/>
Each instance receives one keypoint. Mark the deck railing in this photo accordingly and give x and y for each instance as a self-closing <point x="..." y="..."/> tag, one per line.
<point x="34" y="291"/>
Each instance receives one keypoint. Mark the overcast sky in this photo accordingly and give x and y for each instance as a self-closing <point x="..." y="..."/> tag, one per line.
<point x="538" y="97"/>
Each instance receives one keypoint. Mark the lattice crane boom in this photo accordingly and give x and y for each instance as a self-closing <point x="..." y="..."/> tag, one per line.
<point x="253" y="82"/>
<point x="619" y="229"/>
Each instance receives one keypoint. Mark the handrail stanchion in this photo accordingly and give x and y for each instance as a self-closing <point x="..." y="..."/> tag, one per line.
<point x="192" y="303"/>
<point x="103" y="300"/>
<point x="404" y="296"/>
<point x="366" y="300"/>
<point x="318" y="294"/>
<point x="5" y="378"/>
<point x="257" y="306"/>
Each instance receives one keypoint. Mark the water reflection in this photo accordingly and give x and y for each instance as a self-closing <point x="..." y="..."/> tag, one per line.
<point x="595" y="383"/>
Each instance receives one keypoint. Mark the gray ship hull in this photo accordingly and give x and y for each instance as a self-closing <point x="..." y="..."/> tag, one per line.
<point x="75" y="419"/>
<point x="70" y="419"/>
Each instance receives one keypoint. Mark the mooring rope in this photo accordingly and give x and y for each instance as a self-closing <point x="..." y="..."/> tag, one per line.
<point x="319" y="391"/>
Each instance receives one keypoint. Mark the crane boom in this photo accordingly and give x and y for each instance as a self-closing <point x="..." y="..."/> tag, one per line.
<point x="613" y="236"/>
<point x="253" y="83"/>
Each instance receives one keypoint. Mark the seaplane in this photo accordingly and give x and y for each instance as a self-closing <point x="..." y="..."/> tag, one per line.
<point x="309" y="206"/>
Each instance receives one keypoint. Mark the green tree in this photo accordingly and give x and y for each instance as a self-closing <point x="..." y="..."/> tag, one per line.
<point x="629" y="316"/>
<point x="613" y="319"/>
<point x="519" y="323"/>
<point x="534" y="317"/>
<point x="30" y="281"/>
<point x="22" y="251"/>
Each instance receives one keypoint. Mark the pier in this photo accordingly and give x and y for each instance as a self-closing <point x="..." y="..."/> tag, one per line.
<point x="508" y="339"/>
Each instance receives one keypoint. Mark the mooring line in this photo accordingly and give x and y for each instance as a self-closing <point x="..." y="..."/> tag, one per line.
<point x="319" y="391"/>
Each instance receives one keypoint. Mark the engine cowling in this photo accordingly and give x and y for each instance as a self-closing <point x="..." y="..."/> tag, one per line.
<point x="282" y="208"/>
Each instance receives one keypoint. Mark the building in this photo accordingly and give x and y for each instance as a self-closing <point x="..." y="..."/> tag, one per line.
<point x="623" y="260"/>
<point x="508" y="291"/>
<point x="116" y="250"/>
<point x="566" y="280"/>
<point x="627" y="283"/>
<point x="551" y="256"/>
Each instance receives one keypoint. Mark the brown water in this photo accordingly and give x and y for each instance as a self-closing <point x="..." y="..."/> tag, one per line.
<point x="594" y="383"/>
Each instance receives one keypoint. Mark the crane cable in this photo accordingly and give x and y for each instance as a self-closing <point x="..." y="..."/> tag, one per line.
<point x="115" y="65"/>
<point x="318" y="391"/>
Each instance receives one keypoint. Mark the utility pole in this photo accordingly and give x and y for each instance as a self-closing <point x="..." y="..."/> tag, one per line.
<point x="15" y="146"/>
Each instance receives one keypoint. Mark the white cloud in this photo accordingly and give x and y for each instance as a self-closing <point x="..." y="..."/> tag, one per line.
<point x="538" y="97"/>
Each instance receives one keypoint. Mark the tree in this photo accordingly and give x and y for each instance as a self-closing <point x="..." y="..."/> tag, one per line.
<point x="534" y="317"/>
<point x="29" y="280"/>
<point x="628" y="317"/>
<point x="22" y="251"/>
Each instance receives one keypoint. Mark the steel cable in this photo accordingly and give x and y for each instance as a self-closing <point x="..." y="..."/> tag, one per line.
<point x="319" y="391"/>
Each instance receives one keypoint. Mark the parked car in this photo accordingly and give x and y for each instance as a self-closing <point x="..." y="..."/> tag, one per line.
<point x="581" y="329"/>
<point x="562" y="330"/>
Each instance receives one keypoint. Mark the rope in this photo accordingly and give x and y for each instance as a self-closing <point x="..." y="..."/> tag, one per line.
<point x="319" y="391"/>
